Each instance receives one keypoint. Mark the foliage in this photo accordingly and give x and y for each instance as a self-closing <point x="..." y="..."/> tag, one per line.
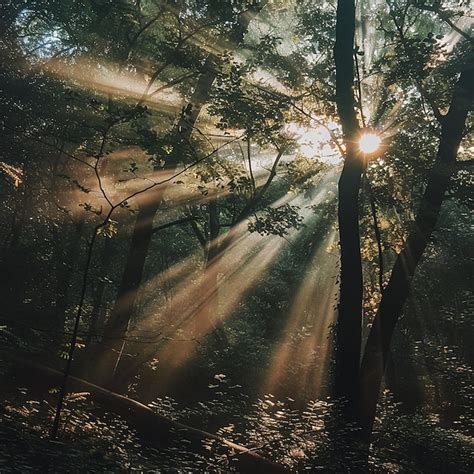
<point x="95" y="95"/>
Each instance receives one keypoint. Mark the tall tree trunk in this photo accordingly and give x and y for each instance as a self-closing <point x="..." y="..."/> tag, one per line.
<point x="349" y="322"/>
<point x="132" y="275"/>
<point x="397" y="290"/>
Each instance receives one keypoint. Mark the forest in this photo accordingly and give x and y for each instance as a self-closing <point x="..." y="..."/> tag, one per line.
<point x="237" y="236"/>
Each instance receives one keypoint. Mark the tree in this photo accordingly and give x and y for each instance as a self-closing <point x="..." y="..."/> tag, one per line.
<point x="361" y="394"/>
<point x="148" y="204"/>
<point x="182" y="155"/>
<point x="348" y="332"/>
<point x="396" y="292"/>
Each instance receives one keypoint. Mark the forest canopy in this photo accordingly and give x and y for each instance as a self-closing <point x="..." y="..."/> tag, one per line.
<point x="237" y="236"/>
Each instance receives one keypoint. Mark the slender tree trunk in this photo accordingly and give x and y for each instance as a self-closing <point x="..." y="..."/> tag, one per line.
<point x="132" y="276"/>
<point x="349" y="322"/>
<point x="397" y="290"/>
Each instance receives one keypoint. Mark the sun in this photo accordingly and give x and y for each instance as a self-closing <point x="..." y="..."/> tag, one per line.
<point x="369" y="142"/>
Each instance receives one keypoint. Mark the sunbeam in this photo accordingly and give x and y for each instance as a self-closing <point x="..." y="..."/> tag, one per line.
<point x="196" y="308"/>
<point x="108" y="79"/>
<point x="298" y="364"/>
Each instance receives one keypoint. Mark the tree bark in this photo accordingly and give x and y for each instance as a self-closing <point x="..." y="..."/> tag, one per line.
<point x="397" y="290"/>
<point x="349" y="322"/>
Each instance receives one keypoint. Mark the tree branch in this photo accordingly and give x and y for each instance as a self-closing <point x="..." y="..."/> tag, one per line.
<point x="173" y="223"/>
